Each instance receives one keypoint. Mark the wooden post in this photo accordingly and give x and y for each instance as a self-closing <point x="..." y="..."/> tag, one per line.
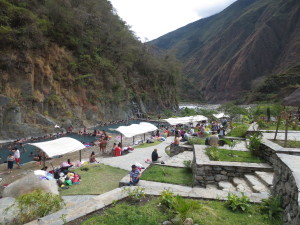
<point x="286" y="131"/>
<point x="277" y="127"/>
<point x="144" y="137"/>
<point x="44" y="161"/>
<point x="80" y="155"/>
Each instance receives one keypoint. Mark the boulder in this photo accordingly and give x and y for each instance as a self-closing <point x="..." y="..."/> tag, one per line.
<point x="28" y="184"/>
<point x="188" y="221"/>
<point x="41" y="119"/>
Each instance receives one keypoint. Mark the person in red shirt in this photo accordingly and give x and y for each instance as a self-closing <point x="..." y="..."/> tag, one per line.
<point x="118" y="150"/>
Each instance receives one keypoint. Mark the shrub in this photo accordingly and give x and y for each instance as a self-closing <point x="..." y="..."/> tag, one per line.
<point x="184" y="206"/>
<point x="213" y="153"/>
<point x="235" y="202"/>
<point x="261" y="124"/>
<point x="254" y="143"/>
<point x="272" y="207"/>
<point x="188" y="164"/>
<point x="167" y="198"/>
<point x="135" y="193"/>
<point x="37" y="204"/>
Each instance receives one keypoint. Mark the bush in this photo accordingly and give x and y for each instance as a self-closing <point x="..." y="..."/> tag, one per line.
<point x="37" y="204"/>
<point x="135" y="193"/>
<point x="213" y="153"/>
<point x="254" y="144"/>
<point x="272" y="207"/>
<point x="188" y="164"/>
<point x="184" y="206"/>
<point x="235" y="202"/>
<point x="167" y="198"/>
<point x="261" y="124"/>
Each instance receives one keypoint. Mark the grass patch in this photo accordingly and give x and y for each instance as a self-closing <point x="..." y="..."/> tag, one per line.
<point x="146" y="145"/>
<point x="167" y="174"/>
<point x="239" y="130"/>
<point x="290" y="143"/>
<point x="97" y="180"/>
<point x="196" y="141"/>
<point x="208" y="213"/>
<point x="234" y="156"/>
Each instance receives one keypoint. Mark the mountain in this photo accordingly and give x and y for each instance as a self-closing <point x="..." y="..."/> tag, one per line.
<point x="76" y="63"/>
<point x="236" y="53"/>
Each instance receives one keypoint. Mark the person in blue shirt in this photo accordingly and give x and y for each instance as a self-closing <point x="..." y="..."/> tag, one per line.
<point x="134" y="175"/>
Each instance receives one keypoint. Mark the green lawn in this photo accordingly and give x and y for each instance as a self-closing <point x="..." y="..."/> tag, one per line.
<point x="235" y="156"/>
<point x="196" y="141"/>
<point x="290" y="143"/>
<point x="145" y="145"/>
<point x="239" y="130"/>
<point x="273" y="125"/>
<point x="167" y="174"/>
<point x="97" y="180"/>
<point x="209" y="213"/>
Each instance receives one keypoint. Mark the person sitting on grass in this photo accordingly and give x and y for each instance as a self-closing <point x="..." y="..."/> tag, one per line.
<point x="134" y="176"/>
<point x="93" y="158"/>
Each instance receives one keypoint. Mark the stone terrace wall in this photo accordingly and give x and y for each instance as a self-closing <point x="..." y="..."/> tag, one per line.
<point x="286" y="184"/>
<point x="211" y="172"/>
<point x="268" y="150"/>
<point x="175" y="150"/>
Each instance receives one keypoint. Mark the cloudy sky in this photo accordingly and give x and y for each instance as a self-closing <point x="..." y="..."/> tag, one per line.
<point x="150" y="19"/>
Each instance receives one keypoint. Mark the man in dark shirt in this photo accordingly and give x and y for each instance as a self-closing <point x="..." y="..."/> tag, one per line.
<point x="155" y="157"/>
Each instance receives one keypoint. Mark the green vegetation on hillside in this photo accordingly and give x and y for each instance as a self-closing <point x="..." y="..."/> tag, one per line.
<point x="79" y="53"/>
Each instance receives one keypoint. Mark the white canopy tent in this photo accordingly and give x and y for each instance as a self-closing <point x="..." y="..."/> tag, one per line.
<point x="59" y="146"/>
<point x="136" y="129"/>
<point x="220" y="115"/>
<point x="185" y="120"/>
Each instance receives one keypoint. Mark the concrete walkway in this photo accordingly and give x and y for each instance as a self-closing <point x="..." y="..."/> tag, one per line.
<point x="139" y="155"/>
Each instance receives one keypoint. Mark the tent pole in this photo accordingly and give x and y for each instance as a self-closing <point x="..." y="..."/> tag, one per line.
<point x="121" y="139"/>
<point x="144" y="136"/>
<point x="80" y="155"/>
<point x="44" y="161"/>
<point x="133" y="140"/>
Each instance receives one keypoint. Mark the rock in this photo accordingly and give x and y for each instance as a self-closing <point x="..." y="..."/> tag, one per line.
<point x="41" y="119"/>
<point x="176" y="221"/>
<point x="4" y="100"/>
<point x="167" y="223"/>
<point x="188" y="221"/>
<point x="28" y="184"/>
<point x="7" y="216"/>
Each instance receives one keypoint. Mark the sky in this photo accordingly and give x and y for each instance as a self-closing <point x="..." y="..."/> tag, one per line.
<point x="150" y="19"/>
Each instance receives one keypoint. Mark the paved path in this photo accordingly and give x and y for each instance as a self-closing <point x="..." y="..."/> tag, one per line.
<point x="293" y="135"/>
<point x="138" y="155"/>
<point x="177" y="160"/>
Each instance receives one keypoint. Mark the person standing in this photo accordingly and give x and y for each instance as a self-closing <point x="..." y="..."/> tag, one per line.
<point x="17" y="157"/>
<point x="134" y="176"/>
<point x="10" y="162"/>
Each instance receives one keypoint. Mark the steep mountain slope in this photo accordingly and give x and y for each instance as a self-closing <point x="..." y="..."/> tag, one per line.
<point x="228" y="54"/>
<point x="70" y="61"/>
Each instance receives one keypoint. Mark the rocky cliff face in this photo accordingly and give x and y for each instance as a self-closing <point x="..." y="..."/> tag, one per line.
<point x="229" y="54"/>
<point x="75" y="62"/>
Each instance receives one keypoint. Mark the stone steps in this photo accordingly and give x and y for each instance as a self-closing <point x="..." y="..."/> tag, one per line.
<point x="256" y="185"/>
<point x="265" y="177"/>
<point x="226" y="186"/>
<point x="241" y="185"/>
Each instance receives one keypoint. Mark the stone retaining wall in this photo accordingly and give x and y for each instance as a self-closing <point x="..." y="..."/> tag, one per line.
<point x="286" y="184"/>
<point x="268" y="150"/>
<point x="175" y="150"/>
<point x="206" y="171"/>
